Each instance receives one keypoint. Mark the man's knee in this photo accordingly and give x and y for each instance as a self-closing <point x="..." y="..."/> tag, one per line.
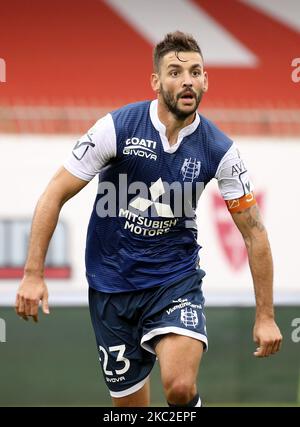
<point x="179" y="390"/>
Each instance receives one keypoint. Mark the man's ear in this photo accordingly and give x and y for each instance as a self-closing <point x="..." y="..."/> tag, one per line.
<point x="205" y="86"/>
<point x="155" y="82"/>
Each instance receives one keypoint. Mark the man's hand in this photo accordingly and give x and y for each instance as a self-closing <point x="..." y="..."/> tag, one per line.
<point x="31" y="290"/>
<point x="268" y="337"/>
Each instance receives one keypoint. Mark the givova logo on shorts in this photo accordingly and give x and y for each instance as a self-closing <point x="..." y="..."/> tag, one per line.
<point x="142" y="225"/>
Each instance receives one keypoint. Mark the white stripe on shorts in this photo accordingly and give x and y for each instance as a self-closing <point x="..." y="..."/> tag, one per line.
<point x="174" y="330"/>
<point x="129" y="390"/>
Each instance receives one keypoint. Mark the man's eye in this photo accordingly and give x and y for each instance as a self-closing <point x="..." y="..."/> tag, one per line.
<point x="174" y="73"/>
<point x="196" y="73"/>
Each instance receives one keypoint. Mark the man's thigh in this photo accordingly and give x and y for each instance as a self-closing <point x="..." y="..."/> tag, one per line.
<point x="125" y="364"/>
<point x="179" y="358"/>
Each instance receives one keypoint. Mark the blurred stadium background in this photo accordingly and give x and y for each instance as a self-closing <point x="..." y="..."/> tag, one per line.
<point x="65" y="64"/>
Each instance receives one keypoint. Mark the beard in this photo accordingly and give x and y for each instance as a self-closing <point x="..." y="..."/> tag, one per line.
<point x="171" y="103"/>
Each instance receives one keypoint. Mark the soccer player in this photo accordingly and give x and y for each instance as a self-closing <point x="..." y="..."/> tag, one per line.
<point x="142" y="261"/>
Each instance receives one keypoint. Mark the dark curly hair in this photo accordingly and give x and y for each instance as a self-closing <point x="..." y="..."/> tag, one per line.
<point x="176" y="41"/>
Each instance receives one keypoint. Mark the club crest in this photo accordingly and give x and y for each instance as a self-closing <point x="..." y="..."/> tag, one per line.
<point x="190" y="169"/>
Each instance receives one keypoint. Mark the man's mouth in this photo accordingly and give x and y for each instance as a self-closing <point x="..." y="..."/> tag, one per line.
<point x="187" y="96"/>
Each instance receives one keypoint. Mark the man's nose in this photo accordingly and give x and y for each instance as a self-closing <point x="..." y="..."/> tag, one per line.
<point x="187" y="80"/>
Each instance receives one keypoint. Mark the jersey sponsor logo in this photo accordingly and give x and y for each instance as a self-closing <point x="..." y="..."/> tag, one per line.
<point x="82" y="145"/>
<point x="189" y="317"/>
<point x="140" y="147"/>
<point x="145" y="226"/>
<point x="159" y="204"/>
<point x="161" y="199"/>
<point x="190" y="169"/>
<point x="156" y="190"/>
<point x="142" y="225"/>
<point x="231" y="241"/>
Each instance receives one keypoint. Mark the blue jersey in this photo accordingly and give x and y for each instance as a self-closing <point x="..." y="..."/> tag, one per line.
<point x="142" y="232"/>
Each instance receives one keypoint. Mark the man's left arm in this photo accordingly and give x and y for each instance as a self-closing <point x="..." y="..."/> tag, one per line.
<point x="265" y="333"/>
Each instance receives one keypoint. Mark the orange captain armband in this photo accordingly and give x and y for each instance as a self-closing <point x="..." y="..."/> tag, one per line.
<point x="239" y="205"/>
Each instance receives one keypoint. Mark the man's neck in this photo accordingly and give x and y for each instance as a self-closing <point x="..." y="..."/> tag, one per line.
<point x="173" y="125"/>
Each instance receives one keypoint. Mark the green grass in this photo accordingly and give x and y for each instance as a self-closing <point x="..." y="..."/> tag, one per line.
<point x="56" y="362"/>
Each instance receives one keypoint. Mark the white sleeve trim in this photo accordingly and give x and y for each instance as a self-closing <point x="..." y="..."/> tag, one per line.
<point x="93" y="150"/>
<point x="232" y="175"/>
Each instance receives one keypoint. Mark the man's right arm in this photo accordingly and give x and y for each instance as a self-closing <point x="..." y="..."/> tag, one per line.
<point x="33" y="289"/>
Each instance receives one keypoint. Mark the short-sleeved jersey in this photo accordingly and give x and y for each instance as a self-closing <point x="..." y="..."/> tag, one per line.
<point x="142" y="231"/>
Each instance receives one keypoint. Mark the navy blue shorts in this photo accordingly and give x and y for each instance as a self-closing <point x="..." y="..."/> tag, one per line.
<point x="127" y="324"/>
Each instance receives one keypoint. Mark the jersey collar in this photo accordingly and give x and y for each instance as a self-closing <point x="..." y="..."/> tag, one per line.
<point x="160" y="127"/>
